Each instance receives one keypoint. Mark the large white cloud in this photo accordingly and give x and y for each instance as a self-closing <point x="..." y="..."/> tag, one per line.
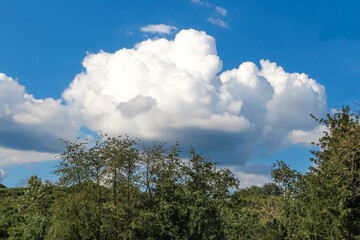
<point x="175" y="90"/>
<point x="158" y="87"/>
<point x="168" y="89"/>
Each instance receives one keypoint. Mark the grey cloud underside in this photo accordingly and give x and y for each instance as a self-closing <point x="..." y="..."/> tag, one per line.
<point x="20" y="137"/>
<point x="225" y="148"/>
<point x="136" y="105"/>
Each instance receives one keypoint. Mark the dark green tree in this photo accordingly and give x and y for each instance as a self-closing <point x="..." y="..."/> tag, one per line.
<point x="122" y="176"/>
<point x="172" y="212"/>
<point x="334" y="181"/>
<point x="80" y="171"/>
<point x="206" y="191"/>
<point x="325" y="202"/>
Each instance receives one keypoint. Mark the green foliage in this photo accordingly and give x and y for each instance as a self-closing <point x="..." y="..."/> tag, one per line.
<point x="27" y="214"/>
<point x="9" y="199"/>
<point x="324" y="203"/>
<point x="110" y="189"/>
<point x="34" y="208"/>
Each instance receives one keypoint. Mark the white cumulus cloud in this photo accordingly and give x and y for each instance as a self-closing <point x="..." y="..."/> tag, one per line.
<point x="174" y="89"/>
<point x="156" y="88"/>
<point x="166" y="90"/>
<point x="307" y="137"/>
<point x="251" y="179"/>
<point x="30" y="124"/>
<point x="10" y="157"/>
<point x="158" y="28"/>
<point x="251" y="174"/>
<point x="3" y="174"/>
<point x="22" y="109"/>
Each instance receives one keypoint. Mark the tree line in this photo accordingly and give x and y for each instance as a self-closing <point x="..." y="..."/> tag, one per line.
<point x="117" y="188"/>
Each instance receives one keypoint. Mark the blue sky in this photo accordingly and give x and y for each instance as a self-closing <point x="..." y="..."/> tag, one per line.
<point x="43" y="45"/>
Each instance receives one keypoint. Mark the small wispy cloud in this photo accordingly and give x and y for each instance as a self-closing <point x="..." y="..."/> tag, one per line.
<point x="215" y="9"/>
<point x="202" y="3"/>
<point x="197" y="2"/>
<point x="221" y="10"/>
<point x="158" y="28"/>
<point x="218" y="22"/>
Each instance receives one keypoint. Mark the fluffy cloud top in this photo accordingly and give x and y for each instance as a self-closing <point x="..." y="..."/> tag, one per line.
<point x="166" y="90"/>
<point x="158" y="28"/>
<point x="156" y="88"/>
